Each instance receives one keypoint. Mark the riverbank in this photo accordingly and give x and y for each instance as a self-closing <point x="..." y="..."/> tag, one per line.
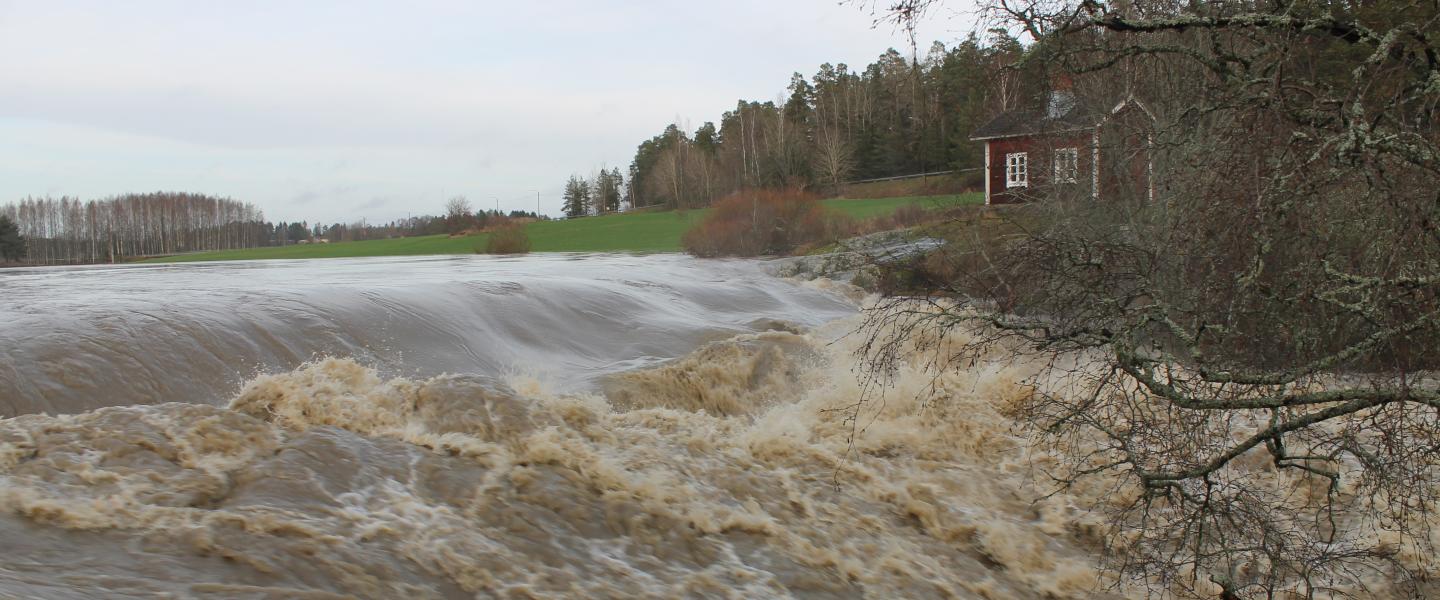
<point x="641" y="231"/>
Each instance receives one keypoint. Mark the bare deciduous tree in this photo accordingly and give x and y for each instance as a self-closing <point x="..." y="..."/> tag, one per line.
<point x="834" y="159"/>
<point x="459" y="215"/>
<point x="1250" y="355"/>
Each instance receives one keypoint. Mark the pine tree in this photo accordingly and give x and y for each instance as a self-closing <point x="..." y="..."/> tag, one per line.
<point x="298" y="232"/>
<point x="606" y="191"/>
<point x="577" y="197"/>
<point x="12" y="245"/>
<point x="707" y="138"/>
<point x="619" y="183"/>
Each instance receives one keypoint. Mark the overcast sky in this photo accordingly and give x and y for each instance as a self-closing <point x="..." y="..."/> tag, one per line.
<point x="333" y="111"/>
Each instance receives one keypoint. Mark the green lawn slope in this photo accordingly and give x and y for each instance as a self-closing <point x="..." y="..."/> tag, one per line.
<point x="641" y="231"/>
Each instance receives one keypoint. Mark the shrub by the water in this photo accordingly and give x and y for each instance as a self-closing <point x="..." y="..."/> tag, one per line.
<point x="756" y="222"/>
<point x="508" y="239"/>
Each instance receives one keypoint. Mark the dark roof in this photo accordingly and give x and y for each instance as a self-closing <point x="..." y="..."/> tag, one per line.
<point x="1027" y="122"/>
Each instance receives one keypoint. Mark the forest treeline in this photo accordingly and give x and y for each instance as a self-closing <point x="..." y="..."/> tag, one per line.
<point x="69" y="230"/>
<point x="897" y="116"/>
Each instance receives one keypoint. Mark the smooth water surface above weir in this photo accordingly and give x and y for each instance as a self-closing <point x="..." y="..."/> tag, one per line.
<point x="78" y="338"/>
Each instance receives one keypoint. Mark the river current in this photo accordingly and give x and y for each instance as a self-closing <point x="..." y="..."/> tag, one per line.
<point x="558" y="426"/>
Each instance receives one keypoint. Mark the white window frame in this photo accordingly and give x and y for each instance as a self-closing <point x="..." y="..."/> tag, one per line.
<point x="1017" y="170"/>
<point x="1067" y="165"/>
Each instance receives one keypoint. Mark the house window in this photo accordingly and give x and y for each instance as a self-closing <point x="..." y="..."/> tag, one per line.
<point x="1067" y="165"/>
<point x="1017" y="170"/>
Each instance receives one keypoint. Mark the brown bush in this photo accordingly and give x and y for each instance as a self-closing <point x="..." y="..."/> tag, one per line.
<point x="756" y="222"/>
<point x="508" y="239"/>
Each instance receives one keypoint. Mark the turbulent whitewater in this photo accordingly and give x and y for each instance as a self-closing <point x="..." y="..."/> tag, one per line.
<point x="543" y="427"/>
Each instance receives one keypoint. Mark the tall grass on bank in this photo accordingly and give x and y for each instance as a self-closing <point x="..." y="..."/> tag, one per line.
<point x="509" y="238"/>
<point x="758" y="222"/>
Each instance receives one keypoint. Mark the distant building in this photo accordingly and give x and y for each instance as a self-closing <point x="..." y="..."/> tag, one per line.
<point x="1067" y="148"/>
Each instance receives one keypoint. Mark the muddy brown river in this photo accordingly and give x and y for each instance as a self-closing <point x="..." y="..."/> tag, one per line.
<point x="557" y="426"/>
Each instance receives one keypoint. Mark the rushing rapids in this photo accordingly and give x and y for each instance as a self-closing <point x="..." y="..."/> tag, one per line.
<point x="544" y="427"/>
<point x="497" y="428"/>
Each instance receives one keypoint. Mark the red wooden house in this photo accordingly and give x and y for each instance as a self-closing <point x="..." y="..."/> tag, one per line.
<point x="1068" y="149"/>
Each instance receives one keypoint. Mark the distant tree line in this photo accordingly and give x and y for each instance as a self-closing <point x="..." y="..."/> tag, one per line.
<point x="68" y="230"/>
<point x="359" y="230"/>
<point x="461" y="217"/>
<point x="897" y="116"/>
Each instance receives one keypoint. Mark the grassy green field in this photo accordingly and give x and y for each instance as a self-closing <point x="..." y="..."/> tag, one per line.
<point x="647" y="231"/>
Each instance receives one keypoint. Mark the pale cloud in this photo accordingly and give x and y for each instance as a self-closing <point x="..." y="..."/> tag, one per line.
<point x="374" y="203"/>
<point x="317" y="110"/>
